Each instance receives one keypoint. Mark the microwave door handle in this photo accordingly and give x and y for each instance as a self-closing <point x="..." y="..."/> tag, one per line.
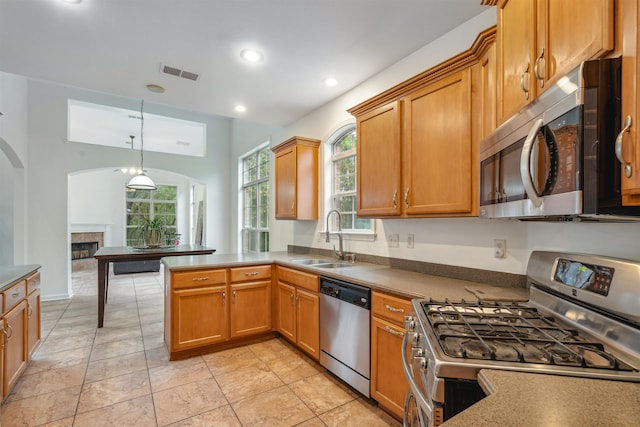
<point x="525" y="164"/>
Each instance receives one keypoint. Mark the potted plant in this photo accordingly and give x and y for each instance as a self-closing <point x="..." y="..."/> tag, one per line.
<point x="152" y="232"/>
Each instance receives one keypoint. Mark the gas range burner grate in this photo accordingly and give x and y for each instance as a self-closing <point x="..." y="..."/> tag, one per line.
<point x="512" y="332"/>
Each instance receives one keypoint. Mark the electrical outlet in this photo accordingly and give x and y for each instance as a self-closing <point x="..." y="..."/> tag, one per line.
<point x="410" y="240"/>
<point x="393" y="240"/>
<point x="499" y="248"/>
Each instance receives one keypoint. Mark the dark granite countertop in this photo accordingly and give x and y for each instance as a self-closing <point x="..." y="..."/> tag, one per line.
<point x="13" y="273"/>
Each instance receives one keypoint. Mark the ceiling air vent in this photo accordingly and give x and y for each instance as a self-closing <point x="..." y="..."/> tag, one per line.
<point x="167" y="69"/>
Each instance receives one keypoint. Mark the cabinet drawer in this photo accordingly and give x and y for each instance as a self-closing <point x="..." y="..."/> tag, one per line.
<point x="198" y="278"/>
<point x="242" y="274"/>
<point x="390" y="307"/>
<point x="14" y="295"/>
<point x="298" y="278"/>
<point x="33" y="282"/>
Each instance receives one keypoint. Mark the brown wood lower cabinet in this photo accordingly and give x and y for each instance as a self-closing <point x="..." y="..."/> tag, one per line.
<point x="15" y="350"/>
<point x="33" y="319"/>
<point x="19" y="328"/>
<point x="299" y="309"/>
<point x="250" y="308"/>
<point x="207" y="309"/>
<point x="199" y="317"/>
<point x="388" y="383"/>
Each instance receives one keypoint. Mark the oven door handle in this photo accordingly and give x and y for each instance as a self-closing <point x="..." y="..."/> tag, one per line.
<point x="525" y="164"/>
<point x="420" y="399"/>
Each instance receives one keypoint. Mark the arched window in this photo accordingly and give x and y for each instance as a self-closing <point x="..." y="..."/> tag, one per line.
<point x="343" y="180"/>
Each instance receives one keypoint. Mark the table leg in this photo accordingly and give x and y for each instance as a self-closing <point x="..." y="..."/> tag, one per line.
<point x="101" y="290"/>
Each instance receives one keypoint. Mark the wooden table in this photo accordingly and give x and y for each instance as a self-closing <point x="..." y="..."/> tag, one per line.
<point x="108" y="254"/>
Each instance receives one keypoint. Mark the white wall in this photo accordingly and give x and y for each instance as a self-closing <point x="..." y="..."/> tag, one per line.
<point x="52" y="159"/>
<point x="13" y="161"/>
<point x="461" y="242"/>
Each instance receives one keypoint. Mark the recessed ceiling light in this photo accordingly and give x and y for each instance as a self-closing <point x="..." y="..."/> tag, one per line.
<point x="251" y="55"/>
<point x="155" y="88"/>
<point x="240" y="108"/>
<point x="72" y="1"/>
<point x="331" y="81"/>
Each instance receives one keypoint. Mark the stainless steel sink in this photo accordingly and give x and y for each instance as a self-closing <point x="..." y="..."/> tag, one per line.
<point x="334" y="265"/>
<point x="310" y="261"/>
<point x="321" y="263"/>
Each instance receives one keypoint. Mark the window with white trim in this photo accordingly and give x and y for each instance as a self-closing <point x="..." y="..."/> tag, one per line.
<point x="143" y="205"/>
<point x="255" y="201"/>
<point x="343" y="182"/>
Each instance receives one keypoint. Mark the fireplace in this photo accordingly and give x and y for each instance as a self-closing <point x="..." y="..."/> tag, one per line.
<point x="83" y="246"/>
<point x="82" y="250"/>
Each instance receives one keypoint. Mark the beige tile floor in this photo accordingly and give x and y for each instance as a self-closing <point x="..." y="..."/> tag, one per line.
<point x="120" y="375"/>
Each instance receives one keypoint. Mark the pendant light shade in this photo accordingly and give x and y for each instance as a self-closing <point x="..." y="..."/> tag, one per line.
<point x="141" y="181"/>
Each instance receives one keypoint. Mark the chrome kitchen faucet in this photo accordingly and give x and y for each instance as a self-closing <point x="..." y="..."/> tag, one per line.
<point x="340" y="253"/>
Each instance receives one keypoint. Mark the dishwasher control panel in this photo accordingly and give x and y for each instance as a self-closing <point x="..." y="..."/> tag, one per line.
<point x="345" y="291"/>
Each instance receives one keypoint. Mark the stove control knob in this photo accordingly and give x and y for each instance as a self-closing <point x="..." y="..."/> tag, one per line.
<point x="414" y="338"/>
<point x="417" y="352"/>
<point x="409" y="323"/>
<point x="419" y="363"/>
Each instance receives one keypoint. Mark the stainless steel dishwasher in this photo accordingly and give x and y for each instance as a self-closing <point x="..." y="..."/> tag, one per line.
<point x="345" y="331"/>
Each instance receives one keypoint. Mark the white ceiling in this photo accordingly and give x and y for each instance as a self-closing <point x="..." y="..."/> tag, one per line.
<point x="117" y="46"/>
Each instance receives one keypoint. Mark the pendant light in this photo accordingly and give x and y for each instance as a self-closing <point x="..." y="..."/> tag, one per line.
<point x="141" y="181"/>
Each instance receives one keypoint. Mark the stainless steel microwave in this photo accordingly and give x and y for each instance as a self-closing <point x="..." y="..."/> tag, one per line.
<point x="555" y="159"/>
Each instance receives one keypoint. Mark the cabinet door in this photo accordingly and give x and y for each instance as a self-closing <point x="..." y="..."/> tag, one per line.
<point x="15" y="349"/>
<point x="571" y="31"/>
<point x="439" y="149"/>
<point x="286" y="184"/>
<point x="483" y="94"/>
<point x="199" y="317"/>
<point x="308" y="322"/>
<point x="379" y="158"/>
<point x="388" y="383"/>
<point x="286" y="311"/>
<point x="516" y="34"/>
<point x="631" y="101"/>
<point x="33" y="325"/>
<point x="250" y="308"/>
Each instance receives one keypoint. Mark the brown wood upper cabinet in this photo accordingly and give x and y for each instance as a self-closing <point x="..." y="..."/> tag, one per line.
<point x="418" y="142"/>
<point x="629" y="14"/>
<point x="297" y="178"/>
<point x="539" y="41"/>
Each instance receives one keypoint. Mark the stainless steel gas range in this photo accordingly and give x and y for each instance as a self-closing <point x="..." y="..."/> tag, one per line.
<point x="582" y="319"/>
